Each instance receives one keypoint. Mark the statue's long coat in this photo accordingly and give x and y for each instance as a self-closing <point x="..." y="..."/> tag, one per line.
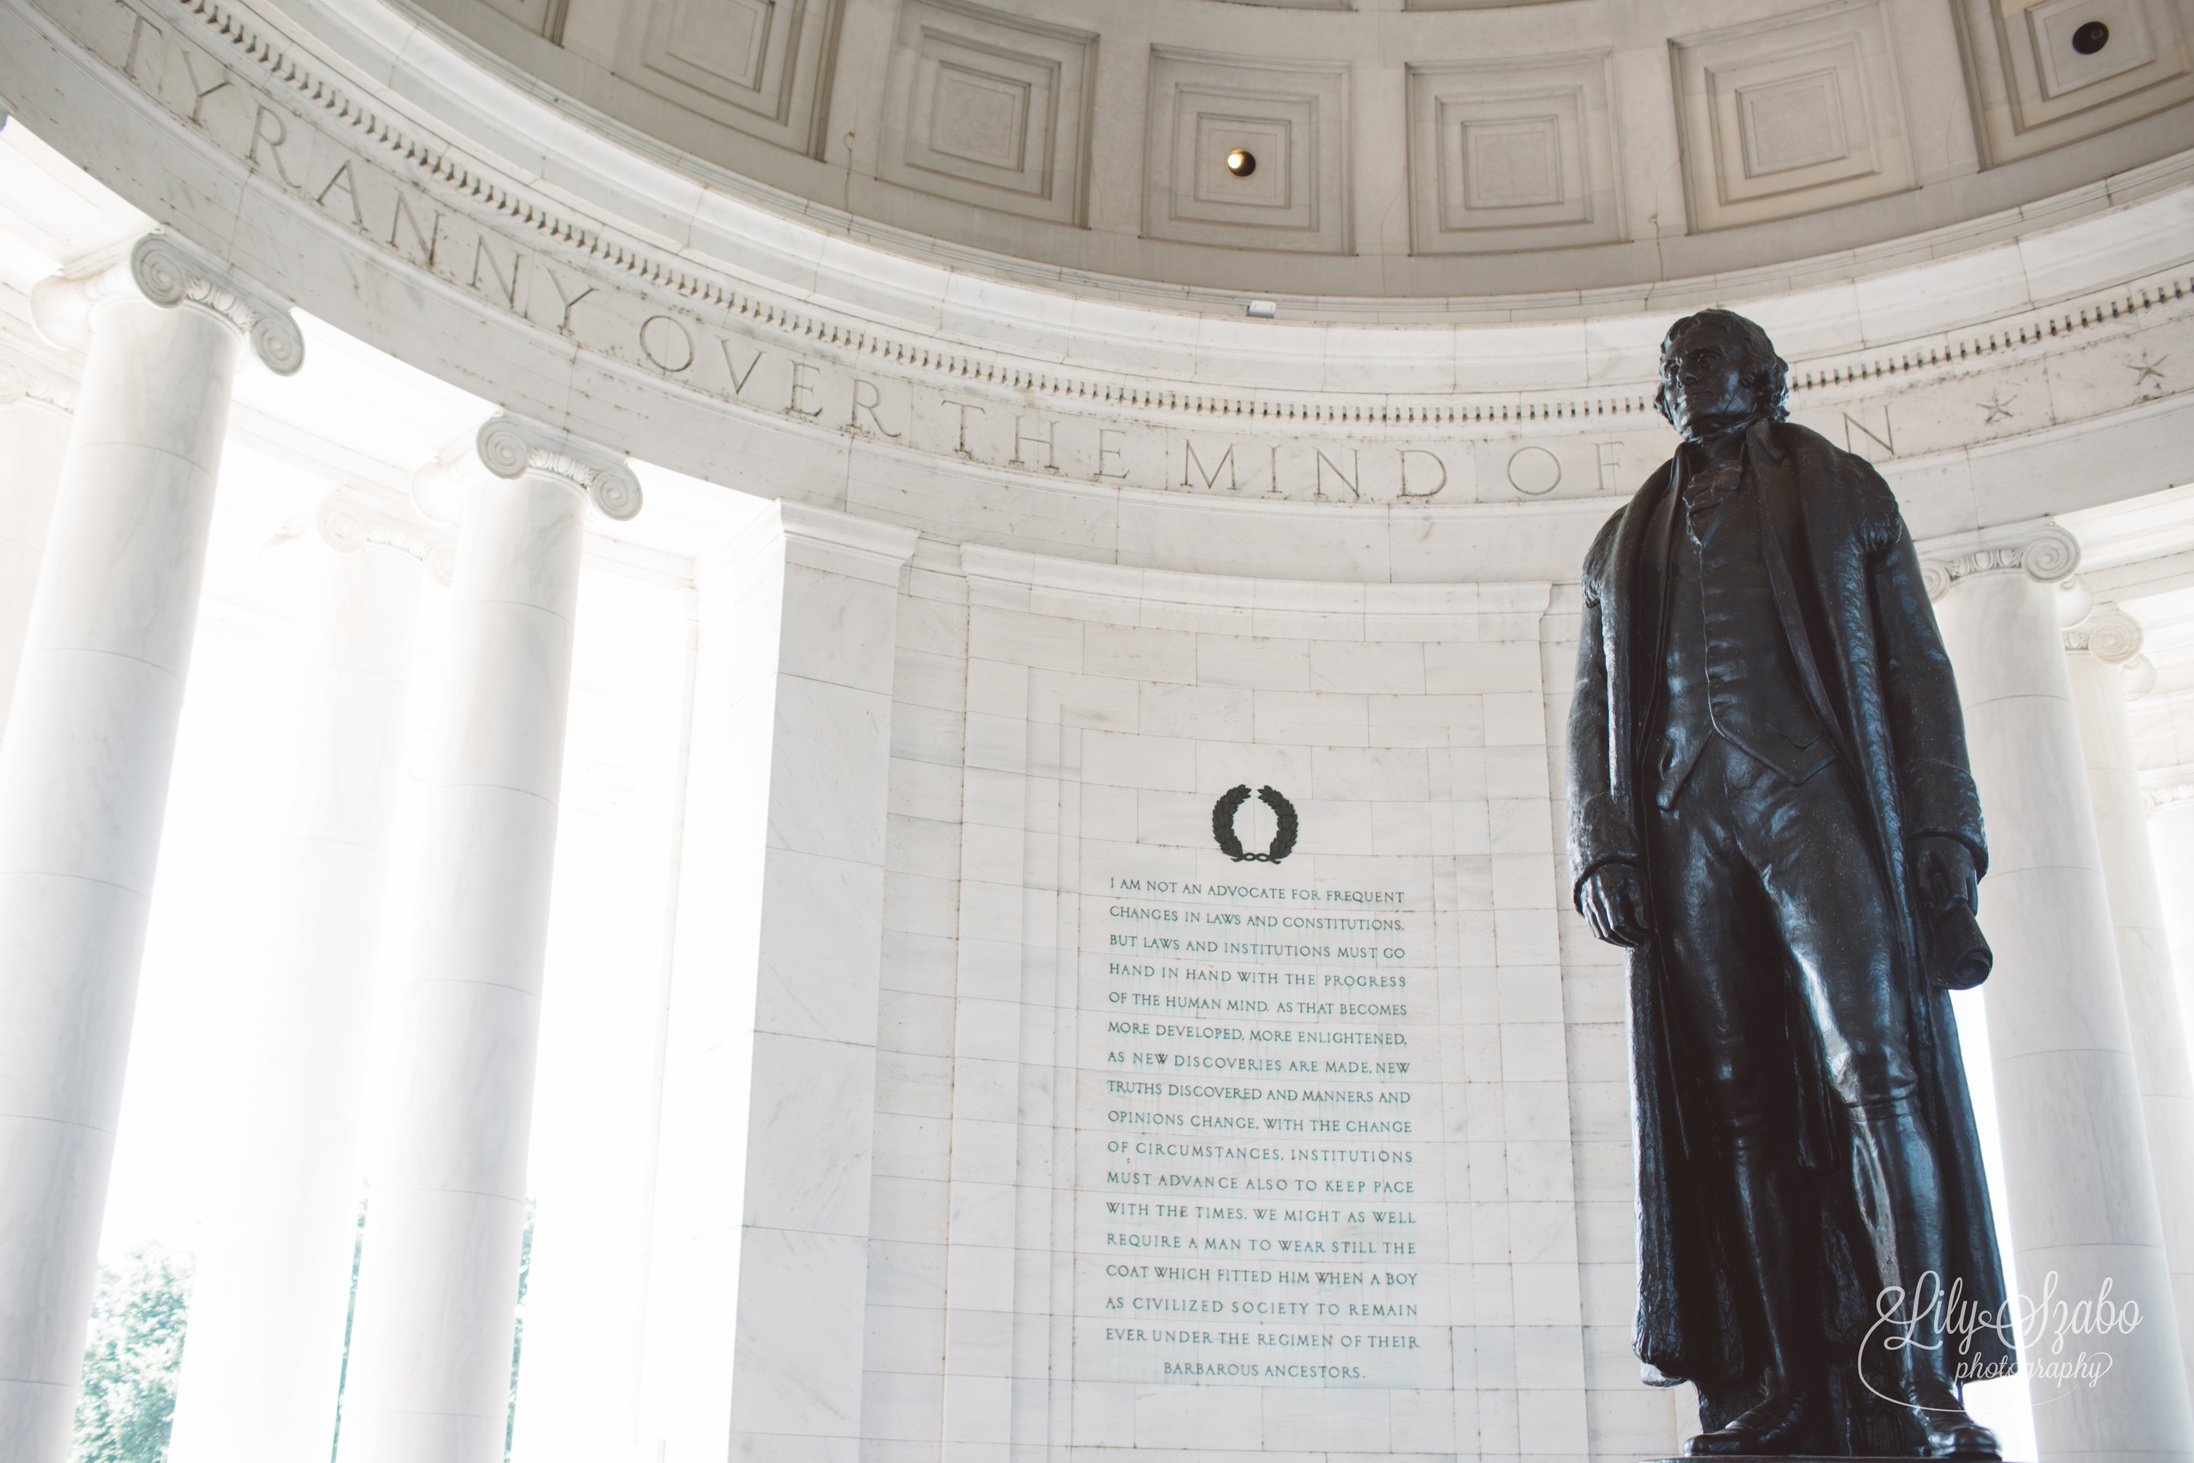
<point x="1848" y="590"/>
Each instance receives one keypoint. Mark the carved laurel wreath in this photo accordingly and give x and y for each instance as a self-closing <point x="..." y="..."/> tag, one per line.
<point x="1283" y="832"/>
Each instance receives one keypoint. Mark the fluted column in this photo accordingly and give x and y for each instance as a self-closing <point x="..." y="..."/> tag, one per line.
<point x="34" y="432"/>
<point x="2096" y="650"/>
<point x="272" y="1288"/>
<point x="2084" y="1213"/>
<point x="84" y="774"/>
<point x="437" y="1289"/>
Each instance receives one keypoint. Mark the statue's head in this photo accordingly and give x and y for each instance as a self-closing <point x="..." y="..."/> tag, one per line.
<point x="1720" y="373"/>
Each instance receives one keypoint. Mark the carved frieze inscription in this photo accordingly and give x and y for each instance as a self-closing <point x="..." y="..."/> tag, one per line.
<point x="1261" y="1195"/>
<point x="427" y="211"/>
<point x="442" y="233"/>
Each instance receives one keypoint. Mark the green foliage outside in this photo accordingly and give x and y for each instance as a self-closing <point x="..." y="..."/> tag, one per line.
<point x="518" y="1338"/>
<point x="135" y="1348"/>
<point x="131" y="1357"/>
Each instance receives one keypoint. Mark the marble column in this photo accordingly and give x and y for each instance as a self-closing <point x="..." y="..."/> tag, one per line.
<point x="84" y="774"/>
<point x="272" y="1289"/>
<point x="2084" y="1221"/>
<point x="34" y="432"/>
<point x="437" y="1289"/>
<point x="2096" y="652"/>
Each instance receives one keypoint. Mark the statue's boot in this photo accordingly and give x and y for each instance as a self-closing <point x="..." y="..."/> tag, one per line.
<point x="1790" y="1417"/>
<point x="1901" y="1200"/>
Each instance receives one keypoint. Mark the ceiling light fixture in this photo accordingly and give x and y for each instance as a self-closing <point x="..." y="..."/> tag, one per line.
<point x="2090" y="38"/>
<point x="1241" y="162"/>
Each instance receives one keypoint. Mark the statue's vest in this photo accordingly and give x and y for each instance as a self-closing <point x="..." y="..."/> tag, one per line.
<point x="1728" y="669"/>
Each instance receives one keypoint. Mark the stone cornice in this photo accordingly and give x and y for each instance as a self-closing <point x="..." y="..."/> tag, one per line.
<point x="2038" y="548"/>
<point x="819" y="538"/>
<point x="511" y="447"/>
<point x="1344" y="605"/>
<point x="2108" y="633"/>
<point x="169" y="273"/>
<point x="349" y="522"/>
<point x="886" y="541"/>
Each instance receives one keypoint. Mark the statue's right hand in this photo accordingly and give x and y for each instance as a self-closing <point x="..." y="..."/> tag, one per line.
<point x="1614" y="901"/>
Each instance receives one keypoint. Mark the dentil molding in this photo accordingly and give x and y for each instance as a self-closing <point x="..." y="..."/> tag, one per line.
<point x="2039" y="548"/>
<point x="169" y="273"/>
<point x="511" y="447"/>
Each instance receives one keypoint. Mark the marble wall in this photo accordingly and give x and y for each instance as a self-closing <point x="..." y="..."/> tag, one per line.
<point x="1342" y="1172"/>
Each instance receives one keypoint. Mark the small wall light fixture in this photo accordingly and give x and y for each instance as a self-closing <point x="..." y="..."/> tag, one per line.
<point x="1241" y="162"/>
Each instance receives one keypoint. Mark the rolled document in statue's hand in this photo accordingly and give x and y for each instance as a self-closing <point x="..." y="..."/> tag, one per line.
<point x="1958" y="957"/>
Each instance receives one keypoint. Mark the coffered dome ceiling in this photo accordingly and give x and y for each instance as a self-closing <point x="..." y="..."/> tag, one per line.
<point x="1379" y="148"/>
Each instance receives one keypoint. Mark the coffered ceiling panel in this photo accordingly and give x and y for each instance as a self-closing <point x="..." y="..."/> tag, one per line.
<point x="1497" y="148"/>
<point x="989" y="109"/>
<point x="1789" y="116"/>
<point x="542" y="17"/>
<point x="1511" y="156"/>
<point x="1289" y="117"/>
<point x="757" y="65"/>
<point x="2054" y="71"/>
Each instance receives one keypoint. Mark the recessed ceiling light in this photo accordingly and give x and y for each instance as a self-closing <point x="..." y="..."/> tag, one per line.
<point x="2090" y="38"/>
<point x="1241" y="162"/>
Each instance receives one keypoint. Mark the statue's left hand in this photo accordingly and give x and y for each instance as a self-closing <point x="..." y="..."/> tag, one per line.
<point x="1943" y="870"/>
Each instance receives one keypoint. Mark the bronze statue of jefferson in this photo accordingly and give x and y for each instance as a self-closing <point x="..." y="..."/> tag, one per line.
<point x="1771" y="810"/>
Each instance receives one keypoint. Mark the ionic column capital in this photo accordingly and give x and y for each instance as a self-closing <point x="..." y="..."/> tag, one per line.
<point x="349" y="522"/>
<point x="512" y="446"/>
<point x="2167" y="787"/>
<point x="2038" y="548"/>
<point x="23" y="379"/>
<point x="164" y="270"/>
<point x="2108" y="633"/>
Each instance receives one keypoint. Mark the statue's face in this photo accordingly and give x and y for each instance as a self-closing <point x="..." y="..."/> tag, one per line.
<point x="1702" y="376"/>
